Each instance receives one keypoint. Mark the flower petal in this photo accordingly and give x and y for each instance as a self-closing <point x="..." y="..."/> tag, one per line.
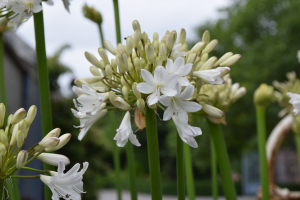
<point x="148" y="78"/>
<point x="153" y="98"/>
<point x="168" y="114"/>
<point x="145" y="88"/>
<point x="165" y="100"/>
<point x="187" y="92"/>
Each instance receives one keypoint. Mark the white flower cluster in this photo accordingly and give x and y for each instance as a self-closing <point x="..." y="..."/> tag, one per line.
<point x="12" y="158"/>
<point x="154" y="73"/>
<point x="18" y="11"/>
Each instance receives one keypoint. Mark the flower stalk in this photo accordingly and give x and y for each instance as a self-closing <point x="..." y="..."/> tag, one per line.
<point x="223" y="160"/>
<point x="43" y="78"/>
<point x="189" y="172"/>
<point x="180" y="170"/>
<point x="297" y="139"/>
<point x="153" y="154"/>
<point x="131" y="169"/>
<point x="214" y="179"/>
<point x="2" y="190"/>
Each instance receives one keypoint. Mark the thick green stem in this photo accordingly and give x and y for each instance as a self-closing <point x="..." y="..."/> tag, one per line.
<point x="117" y="20"/>
<point x="263" y="164"/>
<point x="223" y="160"/>
<point x="116" y="154"/>
<point x="2" y="190"/>
<point x="189" y="171"/>
<point x="43" y="79"/>
<point x="153" y="154"/>
<point x="214" y="179"/>
<point x="297" y="140"/>
<point x="131" y="169"/>
<point x="180" y="170"/>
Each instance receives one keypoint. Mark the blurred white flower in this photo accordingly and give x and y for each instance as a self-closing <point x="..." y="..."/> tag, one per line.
<point x="66" y="185"/>
<point x="176" y="51"/>
<point x="180" y="69"/>
<point x="295" y="101"/>
<point x="27" y="7"/>
<point x="211" y="76"/>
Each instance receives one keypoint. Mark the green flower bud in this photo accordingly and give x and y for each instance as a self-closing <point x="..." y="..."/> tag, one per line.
<point x="92" y="59"/>
<point x="141" y="50"/>
<point x="103" y="55"/>
<point x="145" y="37"/>
<point x="141" y="105"/>
<point x="125" y="92"/>
<point x="223" y="58"/>
<point x="50" y="142"/>
<point x="114" y="65"/>
<point x="210" y="46"/>
<point x="212" y="111"/>
<point x="182" y="36"/>
<point x="2" y="149"/>
<point x="155" y="36"/>
<point x="94" y="70"/>
<point x="136" y="25"/>
<point x="2" y="114"/>
<point x="264" y="95"/>
<point x="31" y="115"/>
<point x="135" y="91"/>
<point x="108" y="70"/>
<point x="170" y="42"/>
<point x="92" y="14"/>
<point x="18" y="116"/>
<point x="54" y="133"/>
<point x="184" y="47"/>
<point x="158" y="61"/>
<point x="122" y="63"/>
<point x="110" y="47"/>
<point x="136" y="38"/>
<point x="90" y="79"/>
<point x="197" y="47"/>
<point x="120" y="103"/>
<point x="149" y="52"/>
<point x="21" y="159"/>
<point x="63" y="140"/>
<point x="231" y="61"/>
<point x="210" y="63"/>
<point x="3" y="137"/>
<point x="20" y="138"/>
<point x="112" y="97"/>
<point x="206" y="37"/>
<point x="191" y="58"/>
<point x="163" y="51"/>
<point x="129" y="44"/>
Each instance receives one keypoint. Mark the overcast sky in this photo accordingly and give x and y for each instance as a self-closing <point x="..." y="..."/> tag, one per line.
<point x="83" y="35"/>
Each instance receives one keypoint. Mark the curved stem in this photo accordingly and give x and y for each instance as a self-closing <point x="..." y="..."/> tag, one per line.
<point x="180" y="170"/>
<point x="223" y="160"/>
<point x="189" y="172"/>
<point x="263" y="165"/>
<point x="214" y="180"/>
<point x="153" y="154"/>
<point x="43" y="79"/>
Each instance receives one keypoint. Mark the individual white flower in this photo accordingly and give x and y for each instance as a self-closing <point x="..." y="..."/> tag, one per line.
<point x="66" y="185"/>
<point x="87" y="120"/>
<point x="186" y="132"/>
<point x="180" y="69"/>
<point x="161" y="82"/>
<point x="28" y="7"/>
<point x="295" y="101"/>
<point x="124" y="132"/>
<point x="178" y="105"/>
<point x="176" y="51"/>
<point x="212" y="76"/>
<point x="91" y="100"/>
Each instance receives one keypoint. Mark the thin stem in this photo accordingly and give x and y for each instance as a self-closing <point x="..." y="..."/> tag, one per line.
<point x="214" y="181"/>
<point x="297" y="139"/>
<point x="131" y="169"/>
<point x="153" y="154"/>
<point x="180" y="170"/>
<point x="36" y="170"/>
<point x="189" y="171"/>
<point x="101" y="35"/>
<point x="223" y="160"/>
<point x="263" y="165"/>
<point x="116" y="154"/>
<point x="27" y="177"/>
<point x="43" y="78"/>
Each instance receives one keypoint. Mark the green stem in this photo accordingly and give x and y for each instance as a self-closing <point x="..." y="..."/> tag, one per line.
<point x="117" y="20"/>
<point x="12" y="188"/>
<point x="223" y="160"/>
<point x="297" y="139"/>
<point x="101" y="35"/>
<point x="131" y="169"/>
<point x="43" y="79"/>
<point x="263" y="164"/>
<point x="2" y="190"/>
<point x="214" y="178"/>
<point x="27" y="177"/>
<point x="116" y="154"/>
<point x="153" y="154"/>
<point x="189" y="171"/>
<point x="180" y="170"/>
<point x="36" y="170"/>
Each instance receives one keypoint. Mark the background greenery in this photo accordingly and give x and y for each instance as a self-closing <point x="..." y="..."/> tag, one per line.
<point x="265" y="33"/>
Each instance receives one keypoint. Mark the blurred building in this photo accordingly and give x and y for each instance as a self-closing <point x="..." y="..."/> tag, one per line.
<point x="20" y="70"/>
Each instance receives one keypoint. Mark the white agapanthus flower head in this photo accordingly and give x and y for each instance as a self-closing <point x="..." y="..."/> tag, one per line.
<point x="179" y="104"/>
<point x="27" y="7"/>
<point x="295" y="101"/>
<point x="67" y="185"/>
<point x="161" y="82"/>
<point x="124" y="132"/>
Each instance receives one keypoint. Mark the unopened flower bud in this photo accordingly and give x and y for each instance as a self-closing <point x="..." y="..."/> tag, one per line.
<point x="91" y="79"/>
<point x="2" y="149"/>
<point x="141" y="49"/>
<point x="63" y="140"/>
<point x="50" y="142"/>
<point x="143" y="63"/>
<point x="102" y="65"/>
<point x="121" y="103"/>
<point x="135" y="91"/>
<point x="170" y="42"/>
<point x="198" y="47"/>
<point x="209" y="63"/>
<point x="149" y="52"/>
<point x="114" y="65"/>
<point x="210" y="46"/>
<point x="163" y="51"/>
<point x="182" y="36"/>
<point x="112" y="97"/>
<point x="136" y="25"/>
<point x="129" y="44"/>
<point x="122" y="63"/>
<point x="231" y="61"/>
<point x="136" y="38"/>
<point x="21" y="159"/>
<point x="3" y="137"/>
<point x="103" y="55"/>
<point x="2" y="114"/>
<point x="92" y="59"/>
<point x="223" y="58"/>
<point x="54" y="133"/>
<point x="141" y="105"/>
<point x="225" y="70"/>
<point x="125" y="92"/>
<point x="184" y="47"/>
<point x="164" y="39"/>
<point x="110" y="47"/>
<point x="52" y="158"/>
<point x="156" y="46"/>
<point x="22" y="125"/>
<point x="13" y="139"/>
<point x="263" y="95"/>
<point x="191" y="58"/>
<point x="10" y="117"/>
<point x="31" y="115"/>
<point x="20" y="138"/>
<point x="94" y="70"/>
<point x="155" y="36"/>
<point x="239" y="93"/>
<point x="108" y="70"/>
<point x="212" y="111"/>
<point x="18" y="116"/>
<point x="145" y="37"/>
<point x="206" y="37"/>
<point x="158" y="61"/>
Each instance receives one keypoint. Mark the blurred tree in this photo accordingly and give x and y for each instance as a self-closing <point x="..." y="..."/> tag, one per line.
<point x="266" y="34"/>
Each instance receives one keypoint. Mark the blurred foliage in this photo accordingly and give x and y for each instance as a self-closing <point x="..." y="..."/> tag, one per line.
<point x="265" y="33"/>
